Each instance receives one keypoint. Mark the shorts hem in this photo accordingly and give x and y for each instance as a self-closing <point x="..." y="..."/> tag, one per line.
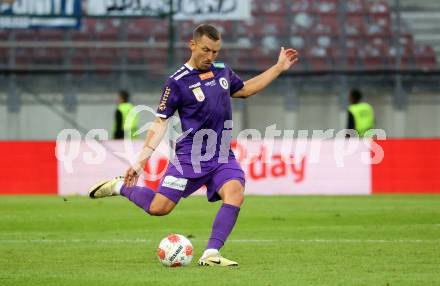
<point x="168" y="196"/>
<point x="242" y="183"/>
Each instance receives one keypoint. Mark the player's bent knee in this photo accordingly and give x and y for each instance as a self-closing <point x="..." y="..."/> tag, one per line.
<point x="161" y="206"/>
<point x="159" y="211"/>
<point x="233" y="193"/>
<point x="238" y="197"/>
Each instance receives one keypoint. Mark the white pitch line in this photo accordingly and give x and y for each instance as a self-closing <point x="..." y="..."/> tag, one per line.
<point x="115" y="241"/>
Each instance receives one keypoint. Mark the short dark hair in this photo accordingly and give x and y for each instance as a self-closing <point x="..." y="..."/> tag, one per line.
<point x="356" y="95"/>
<point x="125" y="95"/>
<point x="206" y="30"/>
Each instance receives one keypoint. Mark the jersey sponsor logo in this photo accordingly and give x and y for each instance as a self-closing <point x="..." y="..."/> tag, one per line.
<point x="175" y="183"/>
<point x="224" y="83"/>
<point x="195" y="85"/>
<point x="198" y="93"/>
<point x="211" y="83"/>
<point x="206" y="75"/>
<point x="163" y="101"/>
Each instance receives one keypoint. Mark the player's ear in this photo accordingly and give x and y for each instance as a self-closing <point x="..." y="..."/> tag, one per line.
<point x="192" y="45"/>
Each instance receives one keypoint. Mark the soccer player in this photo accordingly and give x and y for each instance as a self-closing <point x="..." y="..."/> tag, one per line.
<point x="200" y="91"/>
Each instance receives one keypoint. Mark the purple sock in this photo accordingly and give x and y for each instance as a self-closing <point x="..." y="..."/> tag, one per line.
<point x="141" y="196"/>
<point x="222" y="226"/>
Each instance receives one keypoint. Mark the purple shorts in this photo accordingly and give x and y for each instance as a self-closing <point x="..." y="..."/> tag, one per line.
<point x="175" y="185"/>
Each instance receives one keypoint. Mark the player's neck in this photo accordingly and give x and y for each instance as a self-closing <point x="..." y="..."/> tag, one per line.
<point x="190" y="64"/>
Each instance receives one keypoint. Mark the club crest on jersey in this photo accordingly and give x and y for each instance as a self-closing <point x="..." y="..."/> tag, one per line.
<point x="198" y="93"/>
<point x="206" y="75"/>
<point x="224" y="83"/>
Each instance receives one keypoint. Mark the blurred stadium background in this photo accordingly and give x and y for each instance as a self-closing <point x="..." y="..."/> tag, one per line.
<point x="389" y="49"/>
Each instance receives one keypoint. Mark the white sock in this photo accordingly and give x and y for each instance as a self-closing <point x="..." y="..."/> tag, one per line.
<point x="118" y="187"/>
<point x="209" y="252"/>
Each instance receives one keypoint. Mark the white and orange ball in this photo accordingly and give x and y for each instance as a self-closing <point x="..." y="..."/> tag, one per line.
<point x="175" y="250"/>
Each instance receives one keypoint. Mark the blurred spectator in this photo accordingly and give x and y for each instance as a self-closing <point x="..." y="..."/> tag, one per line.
<point x="360" y="114"/>
<point x="122" y="127"/>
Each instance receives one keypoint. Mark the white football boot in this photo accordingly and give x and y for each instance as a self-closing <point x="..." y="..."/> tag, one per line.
<point x="216" y="259"/>
<point x="105" y="188"/>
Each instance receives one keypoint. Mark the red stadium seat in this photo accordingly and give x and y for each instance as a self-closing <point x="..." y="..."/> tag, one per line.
<point x="318" y="63"/>
<point x="379" y="24"/>
<point x="274" y="8"/>
<point x="155" y="57"/>
<point x="327" y="7"/>
<point x="355" y="7"/>
<point x="25" y="35"/>
<point x="301" y="6"/>
<point x="425" y="58"/>
<point x="87" y="30"/>
<point x="303" y="23"/>
<point x="243" y="59"/>
<point x="350" y="57"/>
<point x="355" y="25"/>
<point x="149" y="29"/>
<point x="372" y="55"/>
<point x="107" y="29"/>
<point x="406" y="57"/>
<point x="104" y="57"/>
<point x="49" y="34"/>
<point x="378" y="7"/>
<point x="326" y="24"/>
<point x="262" y="59"/>
<point x="48" y="56"/>
<point x="135" y="56"/>
<point x="23" y="57"/>
<point x="310" y="26"/>
<point x="80" y="57"/>
<point x="274" y="26"/>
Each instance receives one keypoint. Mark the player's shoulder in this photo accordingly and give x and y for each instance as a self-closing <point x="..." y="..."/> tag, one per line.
<point x="179" y="74"/>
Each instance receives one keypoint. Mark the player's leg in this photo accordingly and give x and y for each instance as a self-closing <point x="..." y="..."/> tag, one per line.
<point x="172" y="188"/>
<point x="143" y="197"/>
<point x="231" y="192"/>
<point x="153" y="203"/>
<point x="161" y="205"/>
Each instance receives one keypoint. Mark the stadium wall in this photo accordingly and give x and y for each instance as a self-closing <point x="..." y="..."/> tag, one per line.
<point x="409" y="166"/>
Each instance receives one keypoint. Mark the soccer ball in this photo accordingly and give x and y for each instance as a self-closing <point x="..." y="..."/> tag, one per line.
<point x="175" y="250"/>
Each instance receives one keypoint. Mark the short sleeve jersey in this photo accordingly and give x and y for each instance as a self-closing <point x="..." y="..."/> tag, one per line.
<point x="202" y="99"/>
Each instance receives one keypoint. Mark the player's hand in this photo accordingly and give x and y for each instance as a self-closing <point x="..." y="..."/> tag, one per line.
<point x="287" y="58"/>
<point x="132" y="176"/>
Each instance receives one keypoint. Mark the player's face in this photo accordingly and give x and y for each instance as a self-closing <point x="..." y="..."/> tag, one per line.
<point x="204" y="52"/>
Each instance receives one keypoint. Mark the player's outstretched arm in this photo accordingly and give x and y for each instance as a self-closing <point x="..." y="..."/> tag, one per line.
<point x="286" y="59"/>
<point x="154" y="135"/>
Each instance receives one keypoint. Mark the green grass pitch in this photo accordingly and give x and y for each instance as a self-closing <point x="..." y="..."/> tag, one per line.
<point x="360" y="240"/>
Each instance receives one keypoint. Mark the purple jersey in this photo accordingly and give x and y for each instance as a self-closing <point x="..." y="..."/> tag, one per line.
<point x="202" y="99"/>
